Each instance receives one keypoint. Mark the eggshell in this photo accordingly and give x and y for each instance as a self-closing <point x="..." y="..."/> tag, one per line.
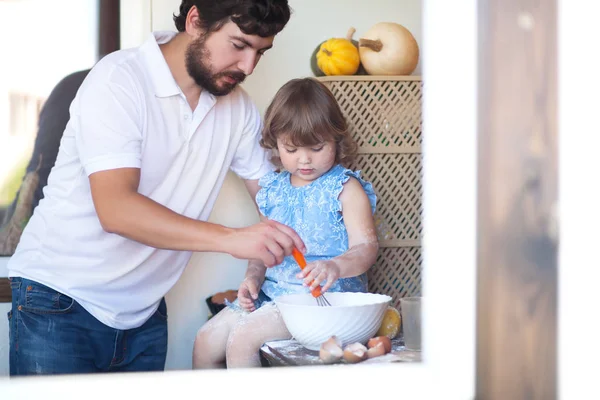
<point x="331" y="350"/>
<point x="387" y="343"/>
<point x="355" y="352"/>
<point x="376" y="351"/>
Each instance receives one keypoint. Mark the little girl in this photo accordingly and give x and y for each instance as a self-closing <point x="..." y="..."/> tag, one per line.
<point x="328" y="205"/>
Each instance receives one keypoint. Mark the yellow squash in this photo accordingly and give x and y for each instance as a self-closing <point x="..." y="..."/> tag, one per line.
<point x="338" y="57"/>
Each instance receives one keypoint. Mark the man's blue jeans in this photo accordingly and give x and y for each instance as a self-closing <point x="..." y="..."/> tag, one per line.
<point x="50" y="333"/>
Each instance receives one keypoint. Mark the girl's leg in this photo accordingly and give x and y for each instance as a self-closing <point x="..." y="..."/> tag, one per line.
<point x="211" y="340"/>
<point x="251" y="332"/>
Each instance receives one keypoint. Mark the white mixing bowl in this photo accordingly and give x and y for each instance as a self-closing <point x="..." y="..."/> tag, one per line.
<point x="352" y="317"/>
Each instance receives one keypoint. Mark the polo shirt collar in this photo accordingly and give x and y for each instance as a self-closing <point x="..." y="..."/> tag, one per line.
<point x="162" y="79"/>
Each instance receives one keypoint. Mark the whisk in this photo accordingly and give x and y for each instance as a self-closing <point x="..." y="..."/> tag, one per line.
<point x="321" y="300"/>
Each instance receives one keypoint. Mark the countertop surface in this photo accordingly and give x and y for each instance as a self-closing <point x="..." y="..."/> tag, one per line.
<point x="292" y="353"/>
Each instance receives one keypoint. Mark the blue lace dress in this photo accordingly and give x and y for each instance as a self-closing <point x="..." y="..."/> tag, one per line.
<point x="314" y="212"/>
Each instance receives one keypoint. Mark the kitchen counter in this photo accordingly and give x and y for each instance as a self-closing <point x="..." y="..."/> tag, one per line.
<point x="279" y="353"/>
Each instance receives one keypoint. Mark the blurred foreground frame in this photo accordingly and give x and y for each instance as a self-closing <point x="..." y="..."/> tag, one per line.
<point x="517" y="248"/>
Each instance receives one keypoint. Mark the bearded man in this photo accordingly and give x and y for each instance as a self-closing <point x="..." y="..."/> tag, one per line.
<point x="152" y="132"/>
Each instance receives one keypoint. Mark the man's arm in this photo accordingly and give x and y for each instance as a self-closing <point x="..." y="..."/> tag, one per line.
<point x="124" y="211"/>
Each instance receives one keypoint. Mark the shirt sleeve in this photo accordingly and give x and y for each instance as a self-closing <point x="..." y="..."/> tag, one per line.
<point x="251" y="160"/>
<point x="109" y="134"/>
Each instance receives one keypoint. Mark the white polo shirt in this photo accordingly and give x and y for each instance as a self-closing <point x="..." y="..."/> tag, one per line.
<point x="130" y="112"/>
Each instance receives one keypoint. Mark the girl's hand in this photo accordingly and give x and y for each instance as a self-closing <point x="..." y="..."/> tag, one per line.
<point x="247" y="293"/>
<point x="320" y="271"/>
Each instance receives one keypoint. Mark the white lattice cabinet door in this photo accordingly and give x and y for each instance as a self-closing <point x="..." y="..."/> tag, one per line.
<point x="384" y="116"/>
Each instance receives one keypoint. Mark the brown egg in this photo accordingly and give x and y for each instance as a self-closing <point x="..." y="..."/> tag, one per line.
<point x="331" y="350"/>
<point x="387" y="343"/>
<point x="355" y="352"/>
<point x="376" y="351"/>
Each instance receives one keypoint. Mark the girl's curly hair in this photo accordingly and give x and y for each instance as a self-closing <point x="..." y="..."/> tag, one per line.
<point x="306" y="113"/>
<point x="254" y="17"/>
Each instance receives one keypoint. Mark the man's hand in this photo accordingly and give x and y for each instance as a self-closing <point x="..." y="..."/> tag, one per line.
<point x="247" y="293"/>
<point x="316" y="272"/>
<point x="268" y="241"/>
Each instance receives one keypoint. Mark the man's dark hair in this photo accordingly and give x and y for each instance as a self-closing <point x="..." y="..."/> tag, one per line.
<point x="254" y="17"/>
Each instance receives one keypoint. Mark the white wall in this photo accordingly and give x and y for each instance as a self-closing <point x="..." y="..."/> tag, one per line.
<point x="312" y="22"/>
<point x="136" y="22"/>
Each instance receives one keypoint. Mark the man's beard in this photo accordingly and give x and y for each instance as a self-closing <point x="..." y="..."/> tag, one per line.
<point x="197" y="64"/>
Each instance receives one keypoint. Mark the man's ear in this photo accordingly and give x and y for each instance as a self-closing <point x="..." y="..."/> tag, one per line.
<point x="192" y="25"/>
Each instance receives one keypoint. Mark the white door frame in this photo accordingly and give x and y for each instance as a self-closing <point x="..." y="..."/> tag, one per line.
<point x="579" y="198"/>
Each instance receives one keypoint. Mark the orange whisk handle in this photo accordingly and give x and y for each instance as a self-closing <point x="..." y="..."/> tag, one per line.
<point x="299" y="257"/>
<point x="317" y="291"/>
